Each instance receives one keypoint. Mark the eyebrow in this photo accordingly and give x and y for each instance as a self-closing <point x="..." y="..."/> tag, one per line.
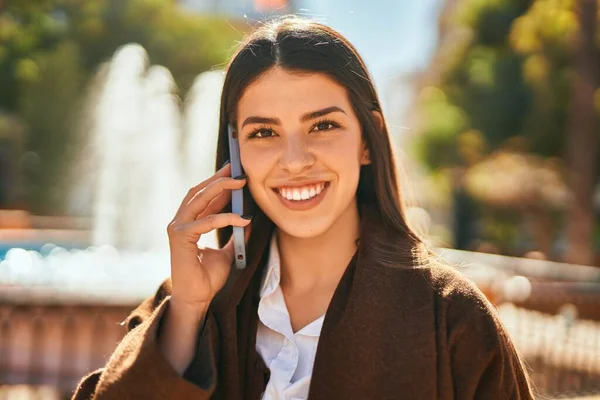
<point x="305" y="117"/>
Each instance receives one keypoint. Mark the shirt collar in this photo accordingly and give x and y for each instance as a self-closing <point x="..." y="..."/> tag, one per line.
<point x="272" y="274"/>
<point x="270" y="283"/>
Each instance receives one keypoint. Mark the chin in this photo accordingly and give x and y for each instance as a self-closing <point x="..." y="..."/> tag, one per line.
<point x="300" y="224"/>
<point x="304" y="228"/>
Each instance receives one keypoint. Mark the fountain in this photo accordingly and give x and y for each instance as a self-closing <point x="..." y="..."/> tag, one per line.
<point x="147" y="163"/>
<point x="146" y="152"/>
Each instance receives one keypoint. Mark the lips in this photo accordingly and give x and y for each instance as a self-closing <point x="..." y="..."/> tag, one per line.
<point x="300" y="193"/>
<point x="302" y="197"/>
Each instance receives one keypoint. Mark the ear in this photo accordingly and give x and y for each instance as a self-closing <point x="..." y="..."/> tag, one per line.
<point x="365" y="158"/>
<point x="378" y="118"/>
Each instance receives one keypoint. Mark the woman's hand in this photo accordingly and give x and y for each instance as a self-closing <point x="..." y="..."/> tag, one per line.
<point x="198" y="274"/>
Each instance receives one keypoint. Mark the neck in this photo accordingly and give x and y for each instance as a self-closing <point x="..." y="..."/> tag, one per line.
<point x="308" y="263"/>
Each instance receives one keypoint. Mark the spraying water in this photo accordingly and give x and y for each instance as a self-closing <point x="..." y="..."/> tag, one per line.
<point x="146" y="151"/>
<point x="149" y="153"/>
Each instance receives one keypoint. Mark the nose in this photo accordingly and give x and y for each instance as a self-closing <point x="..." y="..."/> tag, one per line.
<point x="296" y="156"/>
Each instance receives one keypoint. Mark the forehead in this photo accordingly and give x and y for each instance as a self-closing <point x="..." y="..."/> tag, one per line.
<point x="282" y="92"/>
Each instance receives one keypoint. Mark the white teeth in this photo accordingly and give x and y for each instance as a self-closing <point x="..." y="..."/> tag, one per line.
<point x="305" y="193"/>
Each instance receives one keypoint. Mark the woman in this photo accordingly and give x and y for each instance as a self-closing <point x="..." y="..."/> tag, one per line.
<point x="340" y="298"/>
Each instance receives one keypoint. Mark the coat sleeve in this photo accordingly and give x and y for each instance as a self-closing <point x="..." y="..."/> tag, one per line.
<point x="138" y="369"/>
<point x="484" y="361"/>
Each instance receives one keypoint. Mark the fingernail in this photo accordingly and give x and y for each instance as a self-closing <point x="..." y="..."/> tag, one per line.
<point x="240" y="177"/>
<point x="247" y="216"/>
<point x="224" y="164"/>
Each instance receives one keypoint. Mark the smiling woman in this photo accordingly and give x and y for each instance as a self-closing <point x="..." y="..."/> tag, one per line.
<point x="340" y="299"/>
<point x="311" y="139"/>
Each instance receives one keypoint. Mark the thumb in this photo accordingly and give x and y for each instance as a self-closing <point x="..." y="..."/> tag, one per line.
<point x="228" y="248"/>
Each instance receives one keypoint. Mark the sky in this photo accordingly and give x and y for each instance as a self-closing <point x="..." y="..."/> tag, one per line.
<point x="395" y="38"/>
<point x="392" y="35"/>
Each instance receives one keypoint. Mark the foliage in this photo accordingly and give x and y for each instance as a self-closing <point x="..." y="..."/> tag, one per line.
<point x="499" y="82"/>
<point x="481" y="87"/>
<point x="50" y="49"/>
<point x="48" y="105"/>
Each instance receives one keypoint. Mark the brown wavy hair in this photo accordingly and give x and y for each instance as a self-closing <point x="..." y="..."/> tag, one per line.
<point x="301" y="45"/>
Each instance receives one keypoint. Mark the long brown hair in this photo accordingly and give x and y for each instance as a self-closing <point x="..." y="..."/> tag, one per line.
<point x="296" y="44"/>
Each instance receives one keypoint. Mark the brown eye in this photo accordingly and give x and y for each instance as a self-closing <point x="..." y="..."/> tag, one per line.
<point x="262" y="133"/>
<point x="325" y="126"/>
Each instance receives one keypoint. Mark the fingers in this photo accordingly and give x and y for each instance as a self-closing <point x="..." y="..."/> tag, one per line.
<point x="199" y="203"/>
<point x="192" y="231"/>
<point x="229" y="245"/>
<point x="223" y="172"/>
<point x="217" y="204"/>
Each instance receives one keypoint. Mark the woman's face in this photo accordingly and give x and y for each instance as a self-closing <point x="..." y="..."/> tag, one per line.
<point x="301" y="148"/>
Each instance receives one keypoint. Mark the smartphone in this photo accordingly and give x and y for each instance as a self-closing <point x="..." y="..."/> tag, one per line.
<point x="237" y="199"/>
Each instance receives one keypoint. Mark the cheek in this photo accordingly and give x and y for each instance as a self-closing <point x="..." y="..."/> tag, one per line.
<point x="257" y="163"/>
<point x="342" y="156"/>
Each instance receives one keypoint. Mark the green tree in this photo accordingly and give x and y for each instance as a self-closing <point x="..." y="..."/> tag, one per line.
<point x="506" y="70"/>
<point x="49" y="104"/>
<point x="582" y="150"/>
<point x="50" y="49"/>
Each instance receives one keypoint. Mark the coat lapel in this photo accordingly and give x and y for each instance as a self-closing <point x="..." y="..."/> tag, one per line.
<point x="377" y="340"/>
<point x="236" y="305"/>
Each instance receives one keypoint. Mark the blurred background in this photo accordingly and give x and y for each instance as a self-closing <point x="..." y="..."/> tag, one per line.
<point x="108" y="114"/>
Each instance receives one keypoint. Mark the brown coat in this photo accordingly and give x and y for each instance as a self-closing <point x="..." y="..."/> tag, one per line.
<point x="389" y="333"/>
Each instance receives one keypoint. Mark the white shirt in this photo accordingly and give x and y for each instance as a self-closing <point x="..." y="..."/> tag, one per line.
<point x="290" y="356"/>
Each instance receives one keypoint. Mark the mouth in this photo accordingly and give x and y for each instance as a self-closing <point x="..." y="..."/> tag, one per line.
<point x="301" y="193"/>
<point x="302" y="197"/>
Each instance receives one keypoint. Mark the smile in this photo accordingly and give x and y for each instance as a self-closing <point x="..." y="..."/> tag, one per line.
<point x="302" y="192"/>
<point x="302" y="197"/>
